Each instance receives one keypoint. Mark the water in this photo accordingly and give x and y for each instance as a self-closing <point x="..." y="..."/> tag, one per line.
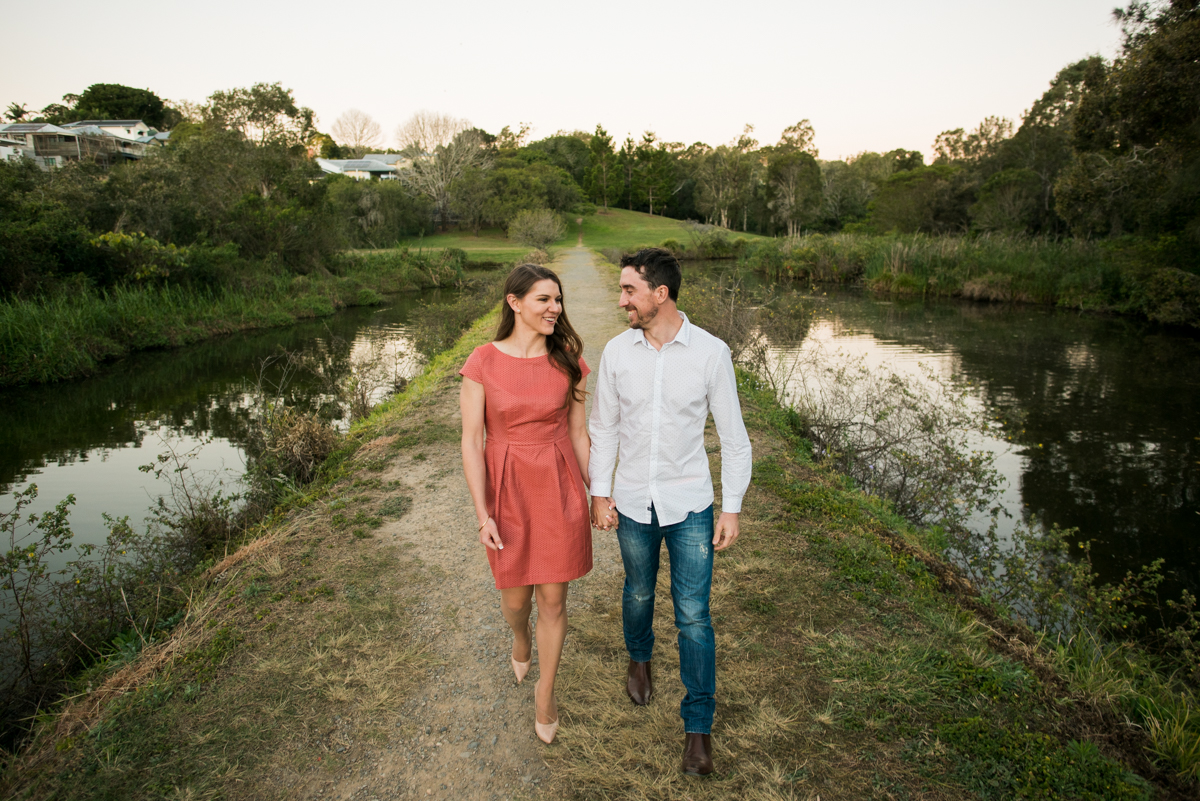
<point x="88" y="437"/>
<point x="1110" y="436"/>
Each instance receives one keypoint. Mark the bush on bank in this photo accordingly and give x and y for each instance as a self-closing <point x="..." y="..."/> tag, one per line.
<point x="1124" y="276"/>
<point x="70" y="334"/>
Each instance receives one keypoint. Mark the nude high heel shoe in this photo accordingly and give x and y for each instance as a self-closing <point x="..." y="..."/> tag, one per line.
<point x="521" y="668"/>
<point x="545" y="731"/>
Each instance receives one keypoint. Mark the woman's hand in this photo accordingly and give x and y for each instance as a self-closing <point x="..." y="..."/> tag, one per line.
<point x="489" y="535"/>
<point x="602" y="512"/>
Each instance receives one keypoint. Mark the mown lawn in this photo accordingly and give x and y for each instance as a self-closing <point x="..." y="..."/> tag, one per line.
<point x="615" y="228"/>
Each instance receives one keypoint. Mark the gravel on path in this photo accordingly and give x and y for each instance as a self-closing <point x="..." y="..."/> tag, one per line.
<point x="467" y="731"/>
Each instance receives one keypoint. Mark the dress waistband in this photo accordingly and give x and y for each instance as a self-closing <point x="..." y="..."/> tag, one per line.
<point x="494" y="440"/>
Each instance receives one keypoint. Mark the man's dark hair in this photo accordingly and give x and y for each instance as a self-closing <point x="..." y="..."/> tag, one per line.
<point x="657" y="267"/>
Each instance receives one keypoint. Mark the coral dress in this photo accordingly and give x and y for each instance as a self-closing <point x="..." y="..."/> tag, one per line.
<point x="535" y="492"/>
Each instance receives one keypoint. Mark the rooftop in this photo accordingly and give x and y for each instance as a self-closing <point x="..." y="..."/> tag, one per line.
<point x="106" y="123"/>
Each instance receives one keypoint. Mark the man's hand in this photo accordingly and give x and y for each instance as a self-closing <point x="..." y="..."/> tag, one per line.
<point x="726" y="531"/>
<point x="604" y="512"/>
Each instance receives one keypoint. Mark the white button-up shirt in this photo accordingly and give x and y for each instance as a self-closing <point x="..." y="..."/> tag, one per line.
<point x="653" y="404"/>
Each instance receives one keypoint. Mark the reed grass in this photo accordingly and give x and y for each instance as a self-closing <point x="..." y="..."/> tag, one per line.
<point x="70" y="333"/>
<point x="1114" y="276"/>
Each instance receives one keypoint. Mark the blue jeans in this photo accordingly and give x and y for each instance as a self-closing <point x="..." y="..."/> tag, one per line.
<point x="689" y="544"/>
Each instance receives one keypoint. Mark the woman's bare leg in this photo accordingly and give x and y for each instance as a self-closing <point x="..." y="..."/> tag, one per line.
<point x="551" y="632"/>
<point x="516" y="604"/>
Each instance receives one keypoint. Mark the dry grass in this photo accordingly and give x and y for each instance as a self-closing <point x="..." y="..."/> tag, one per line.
<point x="297" y="627"/>
<point x="774" y="735"/>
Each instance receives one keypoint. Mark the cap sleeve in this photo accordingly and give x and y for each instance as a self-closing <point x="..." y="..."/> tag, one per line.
<point x="473" y="369"/>
<point x="583" y="366"/>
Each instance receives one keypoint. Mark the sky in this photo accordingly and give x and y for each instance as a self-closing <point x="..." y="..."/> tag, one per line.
<point x="870" y="75"/>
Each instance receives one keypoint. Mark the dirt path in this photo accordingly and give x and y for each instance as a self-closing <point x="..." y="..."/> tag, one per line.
<point x="467" y="731"/>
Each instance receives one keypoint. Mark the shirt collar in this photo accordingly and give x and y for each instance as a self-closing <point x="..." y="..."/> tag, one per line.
<point x="683" y="336"/>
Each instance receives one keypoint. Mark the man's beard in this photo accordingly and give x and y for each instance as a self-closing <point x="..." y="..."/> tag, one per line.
<point x="640" y="321"/>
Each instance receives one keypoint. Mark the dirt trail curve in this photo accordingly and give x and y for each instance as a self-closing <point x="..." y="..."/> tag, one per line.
<point x="470" y="725"/>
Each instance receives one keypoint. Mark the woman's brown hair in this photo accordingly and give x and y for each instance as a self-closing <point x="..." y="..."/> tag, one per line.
<point x="563" y="346"/>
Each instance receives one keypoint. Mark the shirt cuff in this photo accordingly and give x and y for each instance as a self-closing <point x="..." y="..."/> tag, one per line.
<point x="731" y="504"/>
<point x="600" y="490"/>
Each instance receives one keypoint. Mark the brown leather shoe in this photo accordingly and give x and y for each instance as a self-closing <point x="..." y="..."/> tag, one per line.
<point x="697" y="755"/>
<point x="639" y="684"/>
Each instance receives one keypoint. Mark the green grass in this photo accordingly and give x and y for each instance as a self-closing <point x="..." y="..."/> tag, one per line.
<point x="616" y="228"/>
<point x="491" y="246"/>
<point x="71" y="333"/>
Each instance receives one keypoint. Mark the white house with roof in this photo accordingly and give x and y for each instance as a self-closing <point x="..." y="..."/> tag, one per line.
<point x="358" y="169"/>
<point x="53" y="146"/>
<point x="397" y="160"/>
<point x="13" y="149"/>
<point x="126" y="129"/>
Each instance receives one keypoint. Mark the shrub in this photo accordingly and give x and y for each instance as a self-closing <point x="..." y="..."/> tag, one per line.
<point x="537" y="228"/>
<point x="294" y="443"/>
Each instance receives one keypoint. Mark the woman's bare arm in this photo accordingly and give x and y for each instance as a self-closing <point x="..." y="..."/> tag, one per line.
<point x="471" y="402"/>
<point x="580" y="441"/>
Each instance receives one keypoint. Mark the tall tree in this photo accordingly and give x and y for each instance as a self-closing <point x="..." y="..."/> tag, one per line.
<point x="16" y="112"/>
<point x="725" y="178"/>
<point x="656" y="168"/>
<point x="426" y="131"/>
<point x="112" y="101"/>
<point x="983" y="142"/>
<point x="794" y="189"/>
<point x="799" y="137"/>
<point x="265" y="113"/>
<point x="1137" y="133"/>
<point x="435" y="174"/>
<point x="469" y="195"/>
<point x="357" y="131"/>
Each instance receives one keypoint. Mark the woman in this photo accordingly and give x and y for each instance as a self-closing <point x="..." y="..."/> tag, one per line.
<point x="526" y="390"/>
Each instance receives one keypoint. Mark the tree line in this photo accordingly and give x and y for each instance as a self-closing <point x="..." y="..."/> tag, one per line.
<point x="1111" y="149"/>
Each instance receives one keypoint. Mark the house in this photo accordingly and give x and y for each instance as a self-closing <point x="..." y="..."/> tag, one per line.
<point x="53" y="145"/>
<point x="14" y="150"/>
<point x="395" y="159"/>
<point x="358" y="169"/>
<point x="128" y="129"/>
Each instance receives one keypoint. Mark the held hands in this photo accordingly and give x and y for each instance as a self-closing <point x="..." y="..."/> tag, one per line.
<point x="489" y="535"/>
<point x="726" y="531"/>
<point x="603" y="512"/>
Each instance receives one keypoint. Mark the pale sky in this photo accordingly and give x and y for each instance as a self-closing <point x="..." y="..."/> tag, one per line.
<point x="872" y="75"/>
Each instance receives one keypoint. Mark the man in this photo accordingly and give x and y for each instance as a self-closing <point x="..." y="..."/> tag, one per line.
<point x="656" y="385"/>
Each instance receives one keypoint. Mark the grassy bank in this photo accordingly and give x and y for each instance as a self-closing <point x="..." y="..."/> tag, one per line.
<point x="306" y="619"/>
<point x="70" y="333"/>
<point x="851" y="664"/>
<point x="1076" y="274"/>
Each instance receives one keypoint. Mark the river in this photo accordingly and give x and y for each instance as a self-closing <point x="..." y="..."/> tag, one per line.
<point x="1109" y="409"/>
<point x="89" y="436"/>
<point x="1109" y="438"/>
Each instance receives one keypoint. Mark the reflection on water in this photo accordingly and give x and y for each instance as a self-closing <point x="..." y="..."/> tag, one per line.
<point x="88" y="437"/>
<point x="1110" y="437"/>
